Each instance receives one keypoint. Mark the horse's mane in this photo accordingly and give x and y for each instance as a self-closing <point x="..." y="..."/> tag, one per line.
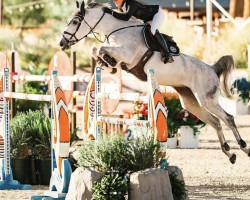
<point x="94" y="4"/>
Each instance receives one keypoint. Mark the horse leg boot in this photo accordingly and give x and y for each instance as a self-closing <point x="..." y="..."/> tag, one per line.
<point x="166" y="57"/>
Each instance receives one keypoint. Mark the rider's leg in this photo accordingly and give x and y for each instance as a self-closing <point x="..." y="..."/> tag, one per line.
<point x="155" y="24"/>
<point x="166" y="57"/>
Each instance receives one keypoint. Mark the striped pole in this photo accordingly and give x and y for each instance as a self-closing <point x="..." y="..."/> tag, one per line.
<point x="75" y="78"/>
<point x="97" y="103"/>
<point x="6" y="118"/>
<point x="121" y="121"/>
<point x="34" y="97"/>
<point x="123" y="96"/>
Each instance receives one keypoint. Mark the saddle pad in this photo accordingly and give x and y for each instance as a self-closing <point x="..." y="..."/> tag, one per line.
<point x="152" y="44"/>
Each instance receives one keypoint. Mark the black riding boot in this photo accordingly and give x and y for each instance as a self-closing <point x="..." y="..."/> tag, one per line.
<point x="166" y="57"/>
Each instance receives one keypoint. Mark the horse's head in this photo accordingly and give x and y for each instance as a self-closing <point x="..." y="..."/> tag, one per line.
<point x="70" y="35"/>
<point x="79" y="26"/>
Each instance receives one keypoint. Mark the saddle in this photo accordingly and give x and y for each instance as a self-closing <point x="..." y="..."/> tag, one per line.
<point x="152" y="44"/>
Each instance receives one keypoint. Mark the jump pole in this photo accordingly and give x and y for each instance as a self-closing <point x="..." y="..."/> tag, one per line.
<point x="61" y="168"/>
<point x="157" y="116"/>
<point x="6" y="179"/>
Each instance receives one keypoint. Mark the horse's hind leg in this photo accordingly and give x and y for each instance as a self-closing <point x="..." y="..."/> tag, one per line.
<point x="214" y="107"/>
<point x="190" y="103"/>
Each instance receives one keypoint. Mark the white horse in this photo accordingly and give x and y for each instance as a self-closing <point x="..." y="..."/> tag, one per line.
<point x="197" y="83"/>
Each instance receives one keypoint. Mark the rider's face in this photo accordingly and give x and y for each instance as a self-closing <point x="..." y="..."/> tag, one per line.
<point x="118" y="3"/>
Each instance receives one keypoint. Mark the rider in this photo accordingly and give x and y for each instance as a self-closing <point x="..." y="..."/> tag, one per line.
<point x="146" y="13"/>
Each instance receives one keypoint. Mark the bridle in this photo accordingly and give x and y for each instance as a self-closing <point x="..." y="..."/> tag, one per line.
<point x="73" y="39"/>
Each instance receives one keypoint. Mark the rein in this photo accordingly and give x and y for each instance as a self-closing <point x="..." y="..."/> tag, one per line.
<point x="134" y="26"/>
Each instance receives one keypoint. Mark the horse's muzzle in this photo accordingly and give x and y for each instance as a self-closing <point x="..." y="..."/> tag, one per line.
<point x="64" y="44"/>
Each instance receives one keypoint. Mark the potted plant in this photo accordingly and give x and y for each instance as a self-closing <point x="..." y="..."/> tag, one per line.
<point x="30" y="140"/>
<point x="42" y="147"/>
<point x="20" y="150"/>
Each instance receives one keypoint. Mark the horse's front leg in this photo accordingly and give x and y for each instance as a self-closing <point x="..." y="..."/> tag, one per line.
<point x="101" y="61"/>
<point x="115" y="55"/>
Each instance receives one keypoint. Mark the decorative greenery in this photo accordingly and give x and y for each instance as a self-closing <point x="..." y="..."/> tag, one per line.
<point x="115" y="153"/>
<point x="111" y="187"/>
<point x="104" y="155"/>
<point x="178" y="187"/>
<point x="242" y="88"/>
<point x="118" y="158"/>
<point x="144" y="153"/>
<point x="30" y="135"/>
<point x="173" y="109"/>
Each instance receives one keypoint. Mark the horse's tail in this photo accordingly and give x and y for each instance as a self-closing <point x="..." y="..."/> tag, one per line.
<point x="223" y="67"/>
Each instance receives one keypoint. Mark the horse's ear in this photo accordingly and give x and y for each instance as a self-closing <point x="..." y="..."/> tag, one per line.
<point x="82" y="9"/>
<point x="77" y="4"/>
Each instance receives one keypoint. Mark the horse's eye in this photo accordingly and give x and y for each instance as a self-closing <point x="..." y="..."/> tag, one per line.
<point x="75" y="22"/>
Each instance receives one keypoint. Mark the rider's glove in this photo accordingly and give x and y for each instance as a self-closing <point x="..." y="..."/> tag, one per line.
<point x="107" y="10"/>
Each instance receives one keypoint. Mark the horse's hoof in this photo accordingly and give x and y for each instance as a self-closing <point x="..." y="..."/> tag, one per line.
<point x="233" y="158"/>
<point x="226" y="146"/>
<point x="114" y="70"/>
<point x="242" y="143"/>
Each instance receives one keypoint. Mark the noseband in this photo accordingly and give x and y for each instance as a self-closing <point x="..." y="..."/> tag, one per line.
<point x="73" y="39"/>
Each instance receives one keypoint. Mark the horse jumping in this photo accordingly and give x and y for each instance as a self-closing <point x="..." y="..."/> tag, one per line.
<point x="198" y="84"/>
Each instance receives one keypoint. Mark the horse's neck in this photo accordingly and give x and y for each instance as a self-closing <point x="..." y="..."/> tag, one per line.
<point x="108" y="24"/>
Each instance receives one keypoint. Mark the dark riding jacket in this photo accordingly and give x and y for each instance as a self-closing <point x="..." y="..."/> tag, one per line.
<point x="133" y="8"/>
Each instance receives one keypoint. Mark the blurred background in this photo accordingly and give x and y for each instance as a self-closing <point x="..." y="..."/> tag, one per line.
<point x="33" y="29"/>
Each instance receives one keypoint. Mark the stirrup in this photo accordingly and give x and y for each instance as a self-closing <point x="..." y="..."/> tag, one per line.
<point x="167" y="59"/>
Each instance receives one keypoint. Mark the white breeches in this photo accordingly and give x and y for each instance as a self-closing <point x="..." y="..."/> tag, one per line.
<point x="157" y="21"/>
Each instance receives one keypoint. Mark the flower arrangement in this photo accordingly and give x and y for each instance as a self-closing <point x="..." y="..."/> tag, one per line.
<point x="140" y="111"/>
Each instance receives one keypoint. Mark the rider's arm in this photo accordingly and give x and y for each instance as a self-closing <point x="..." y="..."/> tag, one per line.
<point x="130" y="10"/>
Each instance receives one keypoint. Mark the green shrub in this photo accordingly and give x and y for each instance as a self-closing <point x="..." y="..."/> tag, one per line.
<point x="30" y="135"/>
<point x="178" y="187"/>
<point x="112" y="186"/>
<point x="115" y="153"/>
<point x="144" y="153"/>
<point x="104" y="155"/>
